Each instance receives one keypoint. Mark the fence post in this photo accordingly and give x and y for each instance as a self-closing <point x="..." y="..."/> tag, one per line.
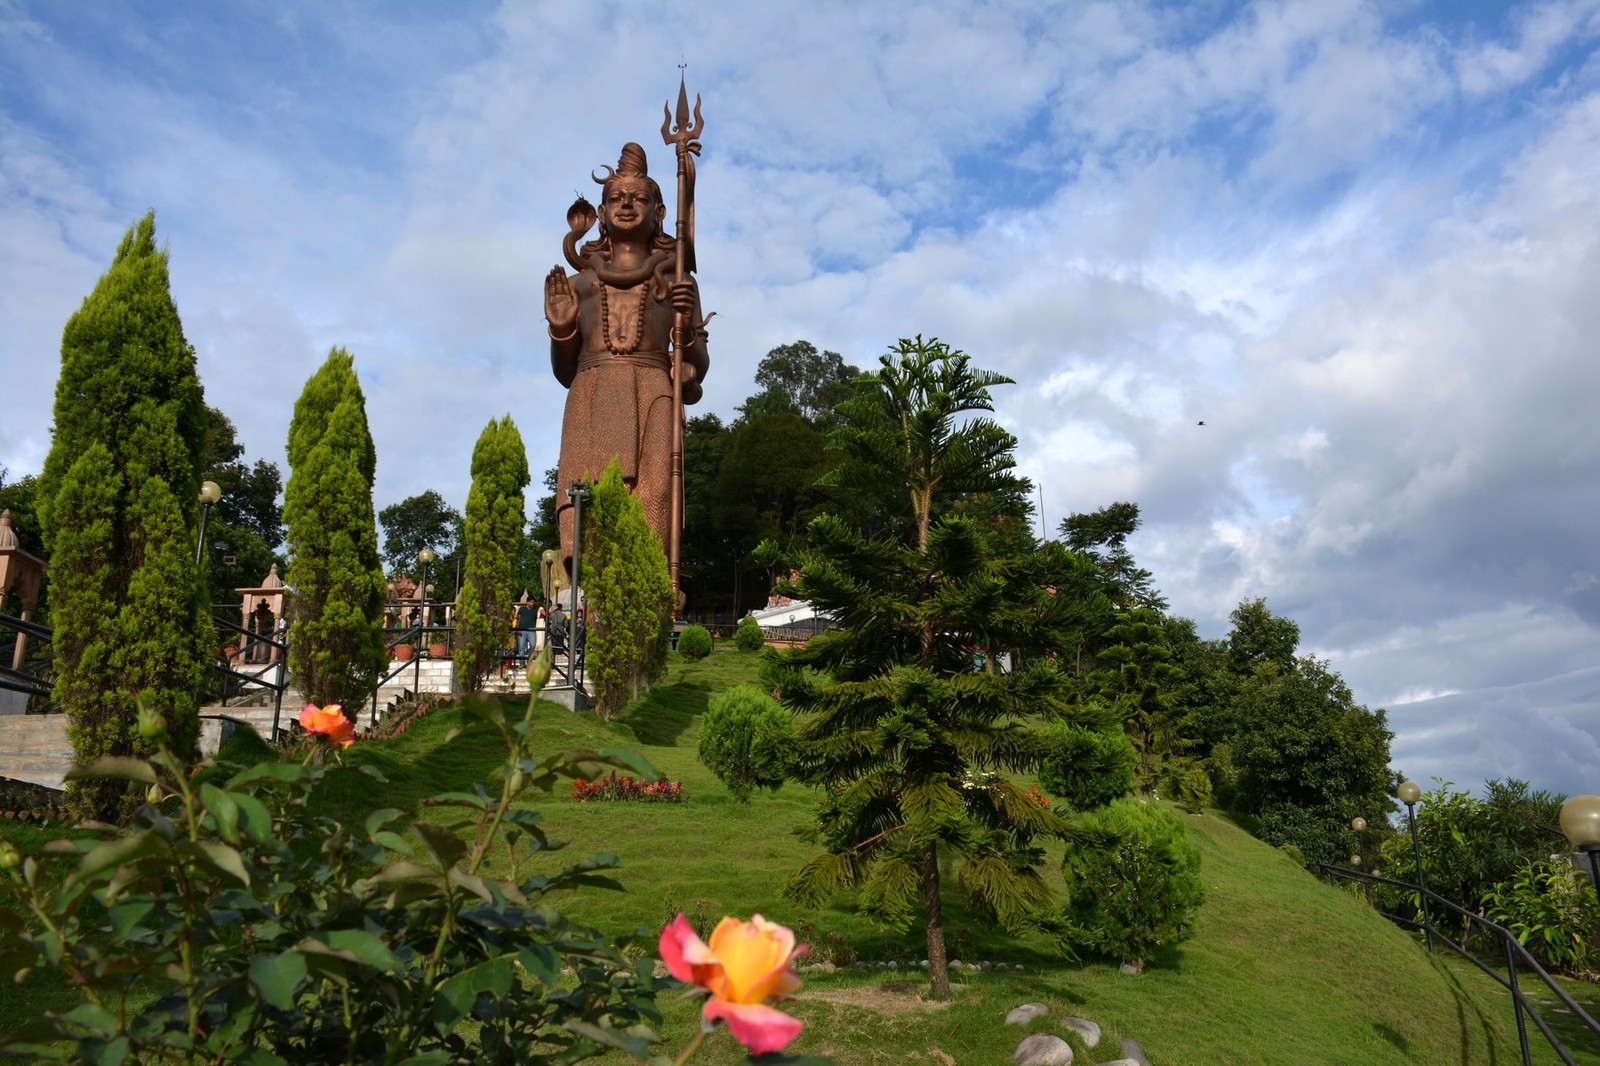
<point x="1516" y="1002"/>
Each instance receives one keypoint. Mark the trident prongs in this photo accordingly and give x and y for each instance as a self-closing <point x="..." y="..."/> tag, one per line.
<point x="682" y="133"/>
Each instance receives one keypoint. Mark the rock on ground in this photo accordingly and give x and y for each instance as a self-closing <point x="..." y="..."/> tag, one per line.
<point x="1026" y="1013"/>
<point x="1089" y="1031"/>
<point x="1042" y="1049"/>
<point x="1134" y="1053"/>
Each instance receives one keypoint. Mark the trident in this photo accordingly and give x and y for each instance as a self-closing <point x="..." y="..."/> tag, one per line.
<point x="686" y="139"/>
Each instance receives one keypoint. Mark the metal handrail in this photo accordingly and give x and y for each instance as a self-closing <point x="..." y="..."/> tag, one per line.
<point x="33" y="679"/>
<point x="236" y="681"/>
<point x="1515" y="954"/>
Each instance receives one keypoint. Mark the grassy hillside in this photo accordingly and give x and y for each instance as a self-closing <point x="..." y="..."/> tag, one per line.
<point x="1282" y="970"/>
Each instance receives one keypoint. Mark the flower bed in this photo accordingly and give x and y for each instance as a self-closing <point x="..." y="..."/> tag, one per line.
<point x="615" y="786"/>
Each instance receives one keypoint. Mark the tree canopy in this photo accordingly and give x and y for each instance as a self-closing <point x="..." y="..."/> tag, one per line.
<point x="118" y="505"/>
<point x="336" y="645"/>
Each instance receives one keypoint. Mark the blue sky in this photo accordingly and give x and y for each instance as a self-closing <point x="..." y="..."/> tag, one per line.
<point x="1361" y="241"/>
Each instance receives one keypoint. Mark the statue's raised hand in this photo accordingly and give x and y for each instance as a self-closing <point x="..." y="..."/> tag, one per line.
<point x="560" y="303"/>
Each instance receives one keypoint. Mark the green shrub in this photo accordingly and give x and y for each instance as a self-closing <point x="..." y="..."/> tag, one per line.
<point x="749" y="636"/>
<point x="1184" y="780"/>
<point x="1137" y="890"/>
<point x="1551" y="908"/>
<point x="1089" y="768"/>
<point x="248" y="928"/>
<point x="742" y="740"/>
<point x="694" y="643"/>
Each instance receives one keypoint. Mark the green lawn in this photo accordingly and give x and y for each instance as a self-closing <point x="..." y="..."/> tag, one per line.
<point x="1283" y="969"/>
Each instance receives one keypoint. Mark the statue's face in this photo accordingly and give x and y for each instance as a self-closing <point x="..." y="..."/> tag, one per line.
<point x="629" y="207"/>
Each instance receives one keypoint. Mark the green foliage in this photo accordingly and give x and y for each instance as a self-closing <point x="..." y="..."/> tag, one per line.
<point x="231" y="923"/>
<point x="913" y="423"/>
<point x="742" y="739"/>
<point x="891" y="716"/>
<point x="629" y="590"/>
<point x="1087" y="768"/>
<point x="118" y="503"/>
<point x="694" y="643"/>
<point x="493" y="536"/>
<point x="416" y="522"/>
<point x="749" y="636"/>
<point x="1471" y="847"/>
<point x="336" y="645"/>
<point x="812" y="383"/>
<point x="1309" y="757"/>
<point x="1102" y="535"/>
<point x="1551" y="909"/>
<point x="1139" y="679"/>
<point x="1259" y="636"/>
<point x="1136" y="889"/>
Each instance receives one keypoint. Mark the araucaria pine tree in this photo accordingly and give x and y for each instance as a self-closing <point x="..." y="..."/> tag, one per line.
<point x="493" y="534"/>
<point x="118" y="501"/>
<point x="894" y="715"/>
<point x="336" y="652"/>
<point x="629" y="590"/>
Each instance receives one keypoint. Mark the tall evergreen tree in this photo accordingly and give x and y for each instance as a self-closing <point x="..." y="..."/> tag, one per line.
<point x="493" y="535"/>
<point x="891" y="715"/>
<point x="629" y="588"/>
<point x="336" y="650"/>
<point x="118" y="502"/>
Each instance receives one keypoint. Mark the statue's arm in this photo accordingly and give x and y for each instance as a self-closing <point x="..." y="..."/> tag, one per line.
<point x="561" y="309"/>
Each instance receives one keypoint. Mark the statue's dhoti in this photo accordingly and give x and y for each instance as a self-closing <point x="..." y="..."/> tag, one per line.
<point x="619" y="407"/>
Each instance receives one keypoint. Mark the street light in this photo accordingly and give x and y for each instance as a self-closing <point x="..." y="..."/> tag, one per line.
<point x="1359" y="825"/>
<point x="425" y="557"/>
<point x="578" y="492"/>
<point x="1580" y="821"/>
<point x="1409" y="793"/>
<point x="210" y="493"/>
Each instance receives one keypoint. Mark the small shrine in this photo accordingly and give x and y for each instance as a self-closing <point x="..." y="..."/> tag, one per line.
<point x="262" y="613"/>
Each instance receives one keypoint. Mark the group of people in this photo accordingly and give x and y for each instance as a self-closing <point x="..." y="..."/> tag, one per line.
<point x="533" y="626"/>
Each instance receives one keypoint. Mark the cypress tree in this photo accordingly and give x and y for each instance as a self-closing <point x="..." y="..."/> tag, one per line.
<point x="629" y="589"/>
<point x="118" y="505"/>
<point x="336" y="651"/>
<point x="493" y="534"/>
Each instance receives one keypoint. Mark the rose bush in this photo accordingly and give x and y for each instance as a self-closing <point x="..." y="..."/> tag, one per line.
<point x="229" y="922"/>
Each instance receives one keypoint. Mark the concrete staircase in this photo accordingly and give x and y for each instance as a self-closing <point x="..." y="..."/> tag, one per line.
<point x="34" y="747"/>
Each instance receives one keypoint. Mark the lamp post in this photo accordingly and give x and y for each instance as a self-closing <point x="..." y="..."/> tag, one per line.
<point x="425" y="557"/>
<point x="1359" y="826"/>
<point x="579" y="494"/>
<point x="210" y="493"/>
<point x="1409" y="793"/>
<point x="1580" y="821"/>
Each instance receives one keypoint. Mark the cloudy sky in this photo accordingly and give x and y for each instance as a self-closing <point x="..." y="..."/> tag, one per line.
<point x="1359" y="241"/>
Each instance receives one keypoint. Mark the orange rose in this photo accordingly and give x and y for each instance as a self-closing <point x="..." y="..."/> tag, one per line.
<point x="330" y="722"/>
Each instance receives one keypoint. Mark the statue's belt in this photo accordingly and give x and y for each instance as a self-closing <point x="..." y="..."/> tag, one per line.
<point x="658" y="359"/>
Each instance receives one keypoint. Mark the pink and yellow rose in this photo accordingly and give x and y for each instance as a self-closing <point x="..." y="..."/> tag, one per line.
<point x="745" y="965"/>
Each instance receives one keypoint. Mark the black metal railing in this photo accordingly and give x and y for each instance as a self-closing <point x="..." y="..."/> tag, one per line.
<point x="1516" y="957"/>
<point x="256" y="660"/>
<point x="34" y="675"/>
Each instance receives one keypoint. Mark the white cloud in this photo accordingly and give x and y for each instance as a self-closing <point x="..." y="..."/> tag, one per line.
<point x="1360" y="244"/>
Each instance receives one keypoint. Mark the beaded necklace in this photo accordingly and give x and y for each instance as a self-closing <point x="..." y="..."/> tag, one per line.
<point x="605" y="323"/>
